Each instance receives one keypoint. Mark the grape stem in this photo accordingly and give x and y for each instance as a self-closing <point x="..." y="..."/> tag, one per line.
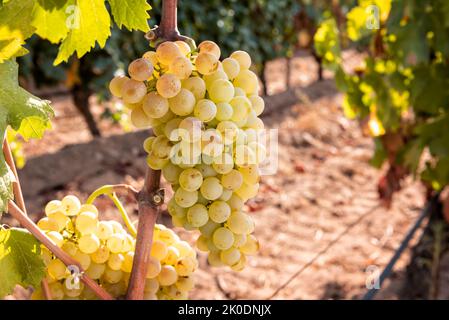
<point x="123" y="213"/>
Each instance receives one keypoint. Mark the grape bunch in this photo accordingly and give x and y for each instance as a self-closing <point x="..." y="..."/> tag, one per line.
<point x="105" y="251"/>
<point x="205" y="117"/>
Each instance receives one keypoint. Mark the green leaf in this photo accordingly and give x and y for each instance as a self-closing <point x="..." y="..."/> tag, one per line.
<point x="15" y="27"/>
<point x="89" y="23"/>
<point x="20" y="261"/>
<point x="50" y="13"/>
<point x="25" y="113"/>
<point x="131" y="13"/>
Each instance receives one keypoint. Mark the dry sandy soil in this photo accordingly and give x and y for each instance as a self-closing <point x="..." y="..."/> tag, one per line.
<point x="324" y="185"/>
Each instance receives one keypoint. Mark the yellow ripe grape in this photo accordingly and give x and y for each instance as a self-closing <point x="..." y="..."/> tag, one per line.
<point x="209" y="47"/>
<point x="56" y="237"/>
<point x="190" y="129"/>
<point x="241" y="106"/>
<point x="184" y="47"/>
<point x="239" y="223"/>
<point x="167" y="51"/>
<point x="201" y="243"/>
<point x="139" y="118"/>
<point x="221" y="91"/>
<point x="197" y="215"/>
<point x="115" y="261"/>
<point x="238" y="92"/>
<point x="230" y="256"/>
<point x="244" y="156"/>
<point x="228" y="130"/>
<point x="69" y="247"/>
<point x="206" y="170"/>
<point x="117" y="227"/>
<point x="148" y="143"/>
<point x="178" y="222"/>
<point x="46" y="255"/>
<point x="239" y="240"/>
<point x="257" y="103"/>
<point x="88" y="243"/>
<point x="216" y="75"/>
<point x="226" y="195"/>
<point x="129" y="243"/>
<point x="159" y="250"/>
<point x="185" y="266"/>
<point x="149" y="296"/>
<point x="161" y="147"/>
<point x="133" y="91"/>
<point x="56" y="291"/>
<point x="209" y="228"/>
<point x="154" y="105"/>
<point x="57" y="269"/>
<point x="116" y="242"/>
<point x="167" y="276"/>
<point x="251" y="245"/>
<point x="231" y="67"/>
<point x="70" y="205"/>
<point x="232" y="180"/>
<point x="196" y="85"/>
<point x="181" y="67"/>
<point x="151" y="285"/>
<point x="116" y="85"/>
<point x="224" y="111"/>
<point x="170" y="129"/>
<point x="184" y="198"/>
<point x="250" y="174"/>
<point x="86" y="222"/>
<point x="235" y="202"/>
<point x="167" y="236"/>
<point x="89" y="207"/>
<point x="190" y="179"/>
<point x="239" y="266"/>
<point x="205" y="110"/>
<point x="214" y="259"/>
<point x="112" y="276"/>
<point x="223" y="164"/>
<point x="211" y="189"/>
<point x="151" y="56"/>
<point x="116" y="289"/>
<point x="47" y="224"/>
<point x="242" y="58"/>
<point x="95" y="270"/>
<point x="83" y="259"/>
<point x="185" y="250"/>
<point x="52" y="206"/>
<point x="172" y="256"/>
<point x="182" y="103"/>
<point x="259" y="150"/>
<point x="59" y="218"/>
<point x="247" y="191"/>
<point x="140" y="69"/>
<point x="156" y="163"/>
<point x="212" y="143"/>
<point x="154" y="268"/>
<point x="219" y="211"/>
<point x="101" y="255"/>
<point x="206" y="63"/>
<point x="104" y="230"/>
<point x="247" y="80"/>
<point x="185" y="284"/>
<point x="223" y="238"/>
<point x="165" y="118"/>
<point x="168" y="85"/>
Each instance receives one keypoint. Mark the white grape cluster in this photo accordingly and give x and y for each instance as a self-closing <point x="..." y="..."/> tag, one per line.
<point x="204" y="114"/>
<point x="105" y="250"/>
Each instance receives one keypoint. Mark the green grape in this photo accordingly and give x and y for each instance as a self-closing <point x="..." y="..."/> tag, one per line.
<point x="71" y="205"/>
<point x="242" y="58"/>
<point x="178" y="222"/>
<point x="226" y="195"/>
<point x="259" y="151"/>
<point x="251" y="245"/>
<point x="197" y="215"/>
<point x="257" y="103"/>
<point x="244" y="156"/>
<point x="239" y="240"/>
<point x="241" y="107"/>
<point x="247" y="191"/>
<point x="186" y="198"/>
<point x="206" y="63"/>
<point x="133" y="91"/>
<point x="167" y="276"/>
<point x="231" y="67"/>
<point x="190" y="129"/>
<point x="219" y="211"/>
<point x="155" y="162"/>
<point x="116" y="85"/>
<point x="239" y="223"/>
<point x="115" y="261"/>
<point x="168" y="86"/>
<point x="247" y="80"/>
<point x="250" y="174"/>
<point x="221" y="91"/>
<point x="140" y="69"/>
<point x="185" y="266"/>
<point x="196" y="85"/>
<point x="154" y="268"/>
<point x="209" y="47"/>
<point x="88" y="243"/>
<point x="175" y="210"/>
<point x="211" y="143"/>
<point x="86" y="222"/>
<point x="73" y="294"/>
<point x="239" y="92"/>
<point x="56" y="237"/>
<point x="210" y="78"/>
<point x="101" y="255"/>
<point x="235" y="202"/>
<point x="223" y="164"/>
<point x="206" y="170"/>
<point x="185" y="284"/>
<point x="211" y="189"/>
<point x="171" y="173"/>
<point x="232" y="180"/>
<point x="116" y="242"/>
<point x="112" y="276"/>
<point x="223" y="238"/>
<point x="57" y="269"/>
<point x="171" y="129"/>
<point x="201" y="243"/>
<point x="230" y="256"/>
<point x="167" y="51"/>
<point x="190" y="179"/>
<point x="214" y="259"/>
<point x="95" y="270"/>
<point x="159" y="250"/>
<point x="239" y="266"/>
<point x="161" y="147"/>
<point x="228" y="130"/>
<point x="181" y="67"/>
<point x="224" y="111"/>
<point x="205" y="110"/>
<point x="154" y="105"/>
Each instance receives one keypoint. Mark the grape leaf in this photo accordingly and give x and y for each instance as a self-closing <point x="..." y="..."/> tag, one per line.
<point x="15" y="28"/>
<point x="50" y="13"/>
<point x="25" y="113"/>
<point x="20" y="261"/>
<point x="89" y="23"/>
<point x="131" y="13"/>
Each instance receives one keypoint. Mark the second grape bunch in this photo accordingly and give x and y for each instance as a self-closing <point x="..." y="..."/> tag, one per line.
<point x="205" y="117"/>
